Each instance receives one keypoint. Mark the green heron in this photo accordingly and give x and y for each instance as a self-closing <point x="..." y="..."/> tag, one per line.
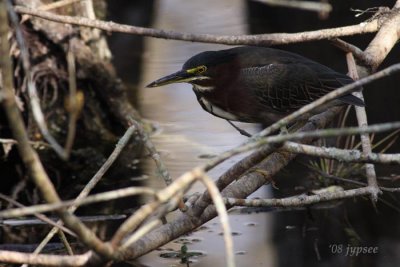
<point x="258" y="85"/>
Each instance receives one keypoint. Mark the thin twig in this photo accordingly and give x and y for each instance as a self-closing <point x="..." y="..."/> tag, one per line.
<point x="336" y="178"/>
<point x="73" y="105"/>
<point x="351" y="181"/>
<point x="164" y="195"/>
<point x="8" y="141"/>
<point x="100" y="197"/>
<point x="234" y="173"/>
<point x="35" y="144"/>
<point x="153" y="153"/>
<point x="65" y="242"/>
<point x="88" y="9"/>
<point x="162" y="169"/>
<point x="223" y="216"/>
<point x="100" y="45"/>
<point x="382" y="127"/>
<point x="363" y="123"/>
<point x="41" y="217"/>
<point x="140" y="232"/>
<point x="40" y="119"/>
<point x="301" y="200"/>
<point x="57" y="4"/>
<point x="260" y="39"/>
<point x="349" y="48"/>
<point x="347" y="155"/>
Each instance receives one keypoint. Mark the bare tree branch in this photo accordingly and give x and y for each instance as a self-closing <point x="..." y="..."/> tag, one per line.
<point x="349" y="48"/>
<point x="100" y="197"/>
<point x="44" y="260"/>
<point x="260" y="39"/>
<point x="58" y="4"/>
<point x="384" y="40"/>
<point x="223" y="216"/>
<point x="163" y="196"/>
<point x="346" y="155"/>
<point x="351" y="181"/>
<point x="37" y="215"/>
<point x="75" y="104"/>
<point x="363" y="123"/>
<point x="301" y="200"/>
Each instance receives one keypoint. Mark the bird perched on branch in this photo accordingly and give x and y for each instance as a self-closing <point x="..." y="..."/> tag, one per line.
<point x="258" y="85"/>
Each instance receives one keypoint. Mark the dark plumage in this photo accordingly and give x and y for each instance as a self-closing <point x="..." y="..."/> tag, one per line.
<point x="255" y="84"/>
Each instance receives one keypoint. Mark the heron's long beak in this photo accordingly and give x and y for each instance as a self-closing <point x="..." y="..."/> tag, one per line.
<point x="177" y="77"/>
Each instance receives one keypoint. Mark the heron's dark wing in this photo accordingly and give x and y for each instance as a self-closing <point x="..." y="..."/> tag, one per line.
<point x="331" y="80"/>
<point x="287" y="87"/>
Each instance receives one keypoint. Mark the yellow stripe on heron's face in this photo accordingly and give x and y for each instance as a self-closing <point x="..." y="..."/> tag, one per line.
<point x="197" y="70"/>
<point x="191" y="71"/>
<point x="194" y="78"/>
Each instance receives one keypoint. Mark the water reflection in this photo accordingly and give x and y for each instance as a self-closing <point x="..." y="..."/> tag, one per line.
<point x="188" y="135"/>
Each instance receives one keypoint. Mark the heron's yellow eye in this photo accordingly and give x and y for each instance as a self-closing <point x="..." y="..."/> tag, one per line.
<point x="201" y="69"/>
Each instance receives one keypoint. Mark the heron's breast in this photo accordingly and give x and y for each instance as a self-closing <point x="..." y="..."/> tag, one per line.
<point x="216" y="110"/>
